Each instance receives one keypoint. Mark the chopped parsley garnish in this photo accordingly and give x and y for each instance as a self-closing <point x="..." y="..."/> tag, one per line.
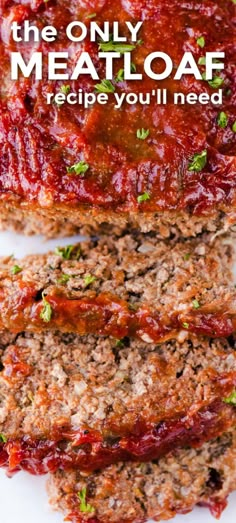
<point x="64" y="252"/>
<point x="198" y="162"/>
<point x="84" y="506"/>
<point x="234" y="127"/>
<point x="105" y="87"/>
<point x="89" y="279"/>
<point x="196" y="304"/>
<point x="46" y="313"/>
<point x="222" y="120"/>
<point x="65" y="89"/>
<point x="187" y="256"/>
<point x="79" y="168"/>
<point x="119" y="343"/>
<point x="142" y="134"/>
<point x="216" y="81"/>
<point x="120" y="75"/>
<point x="143" y="197"/>
<point x="186" y="325"/>
<point x="93" y="15"/>
<point x="63" y="279"/>
<point x="3" y="438"/>
<point x="232" y="399"/>
<point x="133" y="306"/>
<point x="117" y="47"/>
<point x="16" y="269"/>
<point x="202" y="60"/>
<point x="78" y="254"/>
<point x="201" y="41"/>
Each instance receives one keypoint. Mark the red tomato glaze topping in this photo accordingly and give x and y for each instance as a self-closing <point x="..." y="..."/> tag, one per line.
<point x="40" y="142"/>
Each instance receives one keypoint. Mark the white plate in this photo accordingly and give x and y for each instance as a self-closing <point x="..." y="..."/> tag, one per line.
<point x="23" y="498"/>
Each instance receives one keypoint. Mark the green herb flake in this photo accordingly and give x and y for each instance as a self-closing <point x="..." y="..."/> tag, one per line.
<point x="84" y="506"/>
<point x="116" y="47"/>
<point x="234" y="127"/>
<point x="201" y="41"/>
<point x="231" y="400"/>
<point x="119" y="343"/>
<point x="222" y="120"/>
<point x="16" y="269"/>
<point x="65" y="89"/>
<point x="79" y="168"/>
<point x="63" y="279"/>
<point x="196" y="304"/>
<point x="3" y="438"/>
<point x="143" y="197"/>
<point x="46" y="313"/>
<point x="78" y="253"/>
<point x="186" y="325"/>
<point x="187" y="256"/>
<point x="216" y="81"/>
<point x="64" y="252"/>
<point x="89" y="279"/>
<point x="198" y="162"/>
<point x="105" y="87"/>
<point x="120" y="77"/>
<point x="133" y="306"/>
<point x="202" y="60"/>
<point x="92" y="15"/>
<point x="142" y="134"/>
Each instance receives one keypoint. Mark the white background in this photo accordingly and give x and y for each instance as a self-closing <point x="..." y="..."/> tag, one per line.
<point x="23" y="498"/>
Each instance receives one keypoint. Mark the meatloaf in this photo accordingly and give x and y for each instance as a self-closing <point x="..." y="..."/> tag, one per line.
<point x="68" y="401"/>
<point x="163" y="167"/>
<point x="131" y="493"/>
<point x="135" y="286"/>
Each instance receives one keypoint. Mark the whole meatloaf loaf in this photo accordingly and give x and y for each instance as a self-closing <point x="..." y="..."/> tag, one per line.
<point x="164" y="167"/>
<point x="70" y="402"/>
<point x="135" y="286"/>
<point x="131" y="493"/>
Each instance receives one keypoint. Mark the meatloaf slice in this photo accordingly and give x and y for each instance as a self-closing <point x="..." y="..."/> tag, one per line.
<point x="69" y="164"/>
<point x="131" y="493"/>
<point x="88" y="402"/>
<point x="133" y="286"/>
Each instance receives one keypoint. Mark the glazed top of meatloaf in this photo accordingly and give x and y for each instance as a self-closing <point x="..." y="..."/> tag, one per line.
<point x="133" y="286"/>
<point x="41" y="144"/>
<point x="134" y="493"/>
<point x="53" y="381"/>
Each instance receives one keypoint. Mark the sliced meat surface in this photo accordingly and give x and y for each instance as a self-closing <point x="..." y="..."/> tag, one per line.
<point x="131" y="493"/>
<point x="134" y="285"/>
<point x="68" y="401"/>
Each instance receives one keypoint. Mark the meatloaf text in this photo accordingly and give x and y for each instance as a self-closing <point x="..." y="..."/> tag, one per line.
<point x="154" y="183"/>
